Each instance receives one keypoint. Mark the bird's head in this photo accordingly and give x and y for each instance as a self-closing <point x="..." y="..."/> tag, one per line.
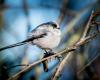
<point x="53" y="24"/>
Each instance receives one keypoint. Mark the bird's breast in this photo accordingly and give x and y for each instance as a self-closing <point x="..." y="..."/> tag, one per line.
<point x="50" y="41"/>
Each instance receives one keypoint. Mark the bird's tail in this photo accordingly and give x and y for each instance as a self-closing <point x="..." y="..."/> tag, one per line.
<point x="13" y="45"/>
<point x="17" y="44"/>
<point x="22" y="43"/>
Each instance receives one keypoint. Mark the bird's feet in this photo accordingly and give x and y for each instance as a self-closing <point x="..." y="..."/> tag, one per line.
<point x="50" y="53"/>
<point x="47" y="54"/>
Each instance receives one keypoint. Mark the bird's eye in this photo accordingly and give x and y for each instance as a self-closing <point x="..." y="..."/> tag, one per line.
<point x="54" y="25"/>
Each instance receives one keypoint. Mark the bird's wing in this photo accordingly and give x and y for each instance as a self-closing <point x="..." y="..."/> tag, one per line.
<point x="42" y="29"/>
<point x="39" y="31"/>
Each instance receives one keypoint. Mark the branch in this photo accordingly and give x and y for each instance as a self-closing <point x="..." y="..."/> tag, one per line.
<point x="62" y="12"/>
<point x="66" y="50"/>
<point x="88" y="64"/>
<point x="61" y="66"/>
<point x="82" y="41"/>
<point x="88" y="25"/>
<point x="92" y="19"/>
<point x="16" y="66"/>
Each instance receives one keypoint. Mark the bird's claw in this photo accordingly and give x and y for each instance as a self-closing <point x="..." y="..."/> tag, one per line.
<point x="58" y="57"/>
<point x="50" y="53"/>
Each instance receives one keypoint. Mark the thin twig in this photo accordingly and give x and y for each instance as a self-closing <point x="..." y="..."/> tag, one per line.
<point x="61" y="66"/>
<point x="54" y="71"/>
<point x="88" y="25"/>
<point x="88" y="64"/>
<point x="17" y="66"/>
<point x="88" y="38"/>
<point x="62" y="12"/>
<point x="96" y="24"/>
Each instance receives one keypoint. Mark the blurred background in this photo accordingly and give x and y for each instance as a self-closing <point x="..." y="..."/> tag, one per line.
<point x="19" y="17"/>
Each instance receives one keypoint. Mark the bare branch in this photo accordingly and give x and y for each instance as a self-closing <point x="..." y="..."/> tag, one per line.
<point x="66" y="50"/>
<point x="87" y="39"/>
<point x="39" y="61"/>
<point x="88" y="25"/>
<point x="62" y="12"/>
<point x="17" y="66"/>
<point x="88" y="64"/>
<point x="82" y="41"/>
<point x="61" y="66"/>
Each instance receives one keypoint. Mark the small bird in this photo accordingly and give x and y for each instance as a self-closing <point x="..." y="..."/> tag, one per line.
<point x="46" y="36"/>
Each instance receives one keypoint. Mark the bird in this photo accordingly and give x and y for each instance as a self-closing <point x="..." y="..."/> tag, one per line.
<point x="46" y="36"/>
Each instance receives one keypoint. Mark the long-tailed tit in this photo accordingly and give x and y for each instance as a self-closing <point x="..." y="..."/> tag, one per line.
<point x="45" y="36"/>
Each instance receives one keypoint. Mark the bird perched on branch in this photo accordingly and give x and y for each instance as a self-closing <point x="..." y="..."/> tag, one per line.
<point x="46" y="36"/>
